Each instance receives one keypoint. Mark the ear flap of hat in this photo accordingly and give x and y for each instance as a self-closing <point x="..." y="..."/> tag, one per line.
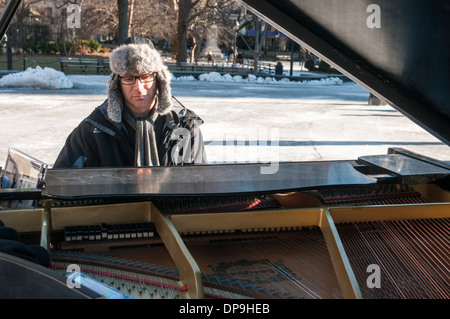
<point x="114" y="106"/>
<point x="165" y="102"/>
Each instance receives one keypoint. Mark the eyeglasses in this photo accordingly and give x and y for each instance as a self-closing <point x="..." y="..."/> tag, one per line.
<point x="130" y="79"/>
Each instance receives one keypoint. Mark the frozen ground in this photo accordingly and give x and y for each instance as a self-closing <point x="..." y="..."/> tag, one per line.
<point x="245" y="121"/>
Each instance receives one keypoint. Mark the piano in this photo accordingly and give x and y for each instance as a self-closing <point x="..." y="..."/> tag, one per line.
<point x="373" y="227"/>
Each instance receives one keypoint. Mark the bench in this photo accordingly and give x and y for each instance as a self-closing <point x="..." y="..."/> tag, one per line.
<point x="230" y="69"/>
<point x="101" y="65"/>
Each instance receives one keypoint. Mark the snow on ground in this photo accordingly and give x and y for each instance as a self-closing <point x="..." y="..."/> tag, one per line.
<point x="44" y="78"/>
<point x="217" y="77"/>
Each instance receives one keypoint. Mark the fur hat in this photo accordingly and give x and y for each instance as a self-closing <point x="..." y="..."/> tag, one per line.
<point x="137" y="55"/>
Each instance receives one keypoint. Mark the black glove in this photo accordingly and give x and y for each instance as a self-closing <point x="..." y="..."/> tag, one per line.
<point x="10" y="244"/>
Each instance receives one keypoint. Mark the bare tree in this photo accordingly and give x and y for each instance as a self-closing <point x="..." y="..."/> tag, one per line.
<point x="184" y="8"/>
<point x="130" y="17"/>
<point x="153" y="19"/>
<point x="226" y="15"/>
<point x="260" y="37"/>
<point x="193" y="20"/>
<point x="196" y="31"/>
<point x="98" y="17"/>
<point x="242" y="20"/>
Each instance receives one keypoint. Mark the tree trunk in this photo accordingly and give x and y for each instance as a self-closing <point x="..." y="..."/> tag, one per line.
<point x="130" y="19"/>
<point x="184" y="10"/>
<point x="9" y="55"/>
<point x="122" y="33"/>
<point x="258" y="44"/>
<point x="193" y="49"/>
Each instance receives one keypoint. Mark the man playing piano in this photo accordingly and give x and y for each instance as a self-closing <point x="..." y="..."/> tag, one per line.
<point x="140" y="123"/>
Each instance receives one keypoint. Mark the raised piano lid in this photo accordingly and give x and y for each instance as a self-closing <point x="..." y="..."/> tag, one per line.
<point x="200" y="179"/>
<point x="405" y="61"/>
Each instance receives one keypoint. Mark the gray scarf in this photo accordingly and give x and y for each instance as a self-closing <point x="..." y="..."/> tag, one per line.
<point x="146" y="151"/>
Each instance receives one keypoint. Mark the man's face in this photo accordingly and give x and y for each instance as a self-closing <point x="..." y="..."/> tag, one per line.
<point x="139" y="97"/>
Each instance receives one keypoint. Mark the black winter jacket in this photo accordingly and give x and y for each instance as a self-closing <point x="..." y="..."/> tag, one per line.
<point x="97" y="142"/>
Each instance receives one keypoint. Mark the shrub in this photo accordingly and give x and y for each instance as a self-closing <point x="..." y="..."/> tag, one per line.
<point x="89" y="46"/>
<point x="30" y="46"/>
<point x="64" y="46"/>
<point x="47" y="47"/>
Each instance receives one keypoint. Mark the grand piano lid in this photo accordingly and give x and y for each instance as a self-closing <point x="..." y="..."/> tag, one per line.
<point x="222" y="179"/>
<point x="397" y="49"/>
